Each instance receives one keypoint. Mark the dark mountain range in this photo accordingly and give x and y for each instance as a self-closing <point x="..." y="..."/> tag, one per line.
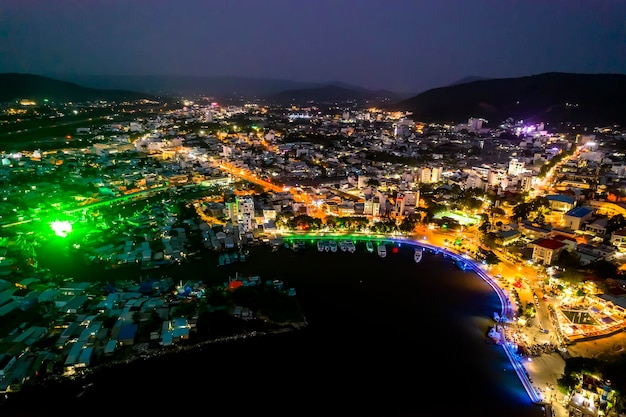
<point x="469" y="79"/>
<point x="16" y="86"/>
<point x="585" y="99"/>
<point x="224" y="88"/>
<point x="219" y="88"/>
<point x="332" y="94"/>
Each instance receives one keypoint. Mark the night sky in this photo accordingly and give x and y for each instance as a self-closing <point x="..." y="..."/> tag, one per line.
<point x="404" y="46"/>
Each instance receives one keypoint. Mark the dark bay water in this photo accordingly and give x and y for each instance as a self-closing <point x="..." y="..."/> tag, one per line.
<point x="386" y="337"/>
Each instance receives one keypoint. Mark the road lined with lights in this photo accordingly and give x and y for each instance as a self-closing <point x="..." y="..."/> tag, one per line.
<point x="299" y="196"/>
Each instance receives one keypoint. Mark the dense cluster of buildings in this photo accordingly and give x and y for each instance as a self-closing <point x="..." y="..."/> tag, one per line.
<point x="335" y="161"/>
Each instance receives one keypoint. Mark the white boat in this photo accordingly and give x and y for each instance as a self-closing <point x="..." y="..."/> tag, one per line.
<point x="350" y="246"/>
<point x="382" y="250"/>
<point x="342" y="245"/>
<point x="417" y="255"/>
<point x="495" y="335"/>
<point x="369" y="246"/>
<point x="320" y="245"/>
<point x="496" y="316"/>
<point x="298" y="245"/>
<point x="333" y="245"/>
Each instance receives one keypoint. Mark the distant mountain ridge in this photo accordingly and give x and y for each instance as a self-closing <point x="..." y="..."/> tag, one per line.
<point x="331" y="94"/>
<point x="275" y="91"/>
<point x="469" y="79"/>
<point x="586" y="99"/>
<point x="221" y="88"/>
<point x="16" y="86"/>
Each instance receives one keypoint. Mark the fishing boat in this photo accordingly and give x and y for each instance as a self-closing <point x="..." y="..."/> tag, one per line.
<point x="495" y="335"/>
<point x="417" y="255"/>
<point x="462" y="265"/>
<point x="382" y="250"/>
<point x="298" y="245"/>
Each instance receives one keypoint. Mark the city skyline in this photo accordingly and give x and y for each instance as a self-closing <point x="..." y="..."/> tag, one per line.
<point x="404" y="46"/>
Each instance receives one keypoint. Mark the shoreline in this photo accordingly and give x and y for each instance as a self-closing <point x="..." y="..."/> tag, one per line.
<point x="141" y="352"/>
<point x="296" y="257"/>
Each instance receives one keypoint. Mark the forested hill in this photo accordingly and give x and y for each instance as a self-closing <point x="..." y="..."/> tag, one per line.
<point x="585" y="99"/>
<point x="16" y="86"/>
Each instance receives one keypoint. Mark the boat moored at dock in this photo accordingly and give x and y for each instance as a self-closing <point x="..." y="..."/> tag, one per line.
<point x="495" y="335"/>
<point x="382" y="250"/>
<point x="417" y="255"/>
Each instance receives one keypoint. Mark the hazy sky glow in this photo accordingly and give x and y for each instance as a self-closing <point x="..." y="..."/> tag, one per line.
<point x="400" y="45"/>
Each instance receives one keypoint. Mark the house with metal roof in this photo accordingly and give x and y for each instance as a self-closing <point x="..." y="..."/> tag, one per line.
<point x="597" y="226"/>
<point x="618" y="239"/>
<point x="507" y="237"/>
<point x="127" y="333"/>
<point x="577" y="217"/>
<point x="532" y="231"/>
<point x="110" y="347"/>
<point x="74" y="304"/>
<point x="561" y="202"/>
<point x="591" y="253"/>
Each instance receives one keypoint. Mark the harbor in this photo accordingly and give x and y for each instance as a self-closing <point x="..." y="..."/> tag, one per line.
<point x="380" y="307"/>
